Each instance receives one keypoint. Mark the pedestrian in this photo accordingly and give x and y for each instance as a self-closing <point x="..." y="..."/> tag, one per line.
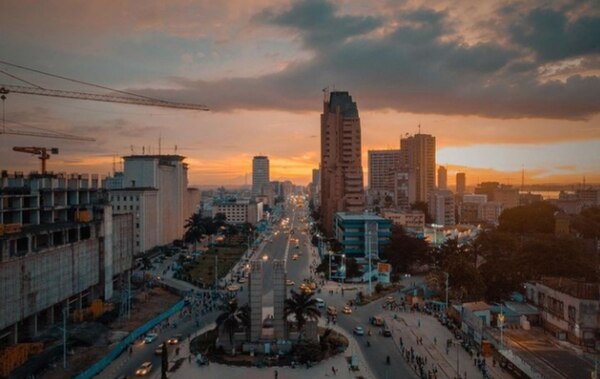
<point x="130" y="350"/>
<point x="333" y="370"/>
<point x="419" y="323"/>
<point x="276" y="374"/>
<point x="190" y="358"/>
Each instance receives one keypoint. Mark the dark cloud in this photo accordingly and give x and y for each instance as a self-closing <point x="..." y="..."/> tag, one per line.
<point x="420" y="66"/>
<point x="322" y="28"/>
<point x="552" y="36"/>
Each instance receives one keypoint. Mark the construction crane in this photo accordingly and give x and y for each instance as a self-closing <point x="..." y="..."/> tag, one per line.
<point x="5" y="89"/>
<point x="41" y="152"/>
<point x="117" y="96"/>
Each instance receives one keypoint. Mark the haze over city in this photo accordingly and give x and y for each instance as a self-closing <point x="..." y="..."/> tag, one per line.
<point x="502" y="86"/>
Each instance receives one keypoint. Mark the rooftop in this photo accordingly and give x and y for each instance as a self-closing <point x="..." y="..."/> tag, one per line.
<point x="359" y="216"/>
<point x="477" y="306"/>
<point x="343" y="101"/>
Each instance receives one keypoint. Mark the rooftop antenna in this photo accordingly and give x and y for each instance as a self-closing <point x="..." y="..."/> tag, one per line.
<point x="419" y="128"/>
<point x="131" y="149"/>
<point x="159" y="138"/>
<point x="325" y="93"/>
<point x="143" y="150"/>
<point x="114" y="165"/>
<point x="175" y="149"/>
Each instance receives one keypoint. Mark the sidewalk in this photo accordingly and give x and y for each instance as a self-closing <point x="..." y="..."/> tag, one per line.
<point x="409" y="326"/>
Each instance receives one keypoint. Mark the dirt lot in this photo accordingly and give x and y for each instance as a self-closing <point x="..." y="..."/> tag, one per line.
<point x="150" y="303"/>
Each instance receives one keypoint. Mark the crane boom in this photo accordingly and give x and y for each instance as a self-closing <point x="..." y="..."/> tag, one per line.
<point x="6" y="89"/>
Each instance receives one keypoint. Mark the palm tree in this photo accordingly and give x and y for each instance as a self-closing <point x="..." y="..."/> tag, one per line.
<point x="194" y="229"/>
<point x="303" y="306"/>
<point x="232" y="318"/>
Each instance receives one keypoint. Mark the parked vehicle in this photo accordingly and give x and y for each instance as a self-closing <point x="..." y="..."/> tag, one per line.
<point x="358" y="330"/>
<point x="320" y="303"/>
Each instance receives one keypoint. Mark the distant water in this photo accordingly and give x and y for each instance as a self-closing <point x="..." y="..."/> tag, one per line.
<point x="546" y="194"/>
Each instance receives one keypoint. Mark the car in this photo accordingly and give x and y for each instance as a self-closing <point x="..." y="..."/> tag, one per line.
<point x="358" y="330"/>
<point x="150" y="337"/>
<point x="144" y="369"/>
<point x="175" y="339"/>
<point x="347" y="310"/>
<point x="289" y="282"/>
<point x="242" y="280"/>
<point x="377" y="321"/>
<point x="295" y="257"/>
<point x="387" y="332"/>
<point x="159" y="350"/>
<point x="320" y="303"/>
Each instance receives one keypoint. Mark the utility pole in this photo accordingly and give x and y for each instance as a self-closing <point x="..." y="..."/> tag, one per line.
<point x="501" y="319"/>
<point x="369" y="236"/>
<point x="216" y="272"/>
<point x="447" y="276"/>
<point x="64" y="312"/>
<point x="129" y="295"/>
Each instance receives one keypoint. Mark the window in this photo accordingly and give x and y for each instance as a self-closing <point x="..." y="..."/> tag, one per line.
<point x="137" y="225"/>
<point x="118" y="207"/>
<point x="572" y="313"/>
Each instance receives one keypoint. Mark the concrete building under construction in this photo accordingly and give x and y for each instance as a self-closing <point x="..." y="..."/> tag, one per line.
<point x="61" y="248"/>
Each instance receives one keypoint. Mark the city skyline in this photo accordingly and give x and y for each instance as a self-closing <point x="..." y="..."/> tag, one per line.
<point x="261" y="66"/>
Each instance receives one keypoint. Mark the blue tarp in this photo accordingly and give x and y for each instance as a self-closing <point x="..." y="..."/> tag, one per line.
<point x="97" y="367"/>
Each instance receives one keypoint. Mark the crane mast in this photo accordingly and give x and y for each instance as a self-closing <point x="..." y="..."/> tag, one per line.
<point x="43" y="153"/>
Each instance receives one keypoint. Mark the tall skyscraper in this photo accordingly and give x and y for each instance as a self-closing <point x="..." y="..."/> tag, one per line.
<point x="461" y="183"/>
<point x="382" y="166"/>
<point x="442" y="178"/>
<point x="341" y="168"/>
<point x="260" y="174"/>
<point x="418" y="155"/>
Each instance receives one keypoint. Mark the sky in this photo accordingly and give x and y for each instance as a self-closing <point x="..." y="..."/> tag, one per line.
<point x="503" y="85"/>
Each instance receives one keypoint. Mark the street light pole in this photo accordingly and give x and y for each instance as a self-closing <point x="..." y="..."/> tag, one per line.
<point x="369" y="236"/>
<point x="64" y="312"/>
<point x="447" y="276"/>
<point x="501" y="319"/>
<point x="330" y="253"/>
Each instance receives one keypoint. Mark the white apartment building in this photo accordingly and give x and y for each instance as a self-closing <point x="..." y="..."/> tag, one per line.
<point x="238" y="211"/>
<point x="155" y="190"/>
<point x="441" y="207"/>
<point x="414" y="220"/>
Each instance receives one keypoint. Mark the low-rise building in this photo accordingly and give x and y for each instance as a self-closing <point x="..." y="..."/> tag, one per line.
<point x="475" y="317"/>
<point x="570" y="309"/>
<point x="441" y="207"/>
<point x="414" y="220"/>
<point x="360" y="233"/>
<point x="238" y="211"/>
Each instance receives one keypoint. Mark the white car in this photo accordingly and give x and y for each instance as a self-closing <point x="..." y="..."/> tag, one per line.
<point x="358" y="330"/>
<point x="150" y="337"/>
<point x="320" y="303"/>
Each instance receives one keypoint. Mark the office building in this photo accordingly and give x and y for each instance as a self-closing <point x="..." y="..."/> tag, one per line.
<point x="413" y="220"/>
<point x="461" y="183"/>
<point x="441" y="207"/>
<point x="359" y="232"/>
<point x="382" y="166"/>
<point x="238" y="211"/>
<point x="155" y="190"/>
<point x="507" y="195"/>
<point x="260" y="175"/>
<point x="341" y="167"/>
<point x="418" y="154"/>
<point x="442" y="178"/>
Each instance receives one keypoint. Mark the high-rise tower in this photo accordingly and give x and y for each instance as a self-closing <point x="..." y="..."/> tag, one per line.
<point x="461" y="183"/>
<point x="442" y="178"/>
<point x="341" y="168"/>
<point x="418" y="155"/>
<point x="260" y="174"/>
